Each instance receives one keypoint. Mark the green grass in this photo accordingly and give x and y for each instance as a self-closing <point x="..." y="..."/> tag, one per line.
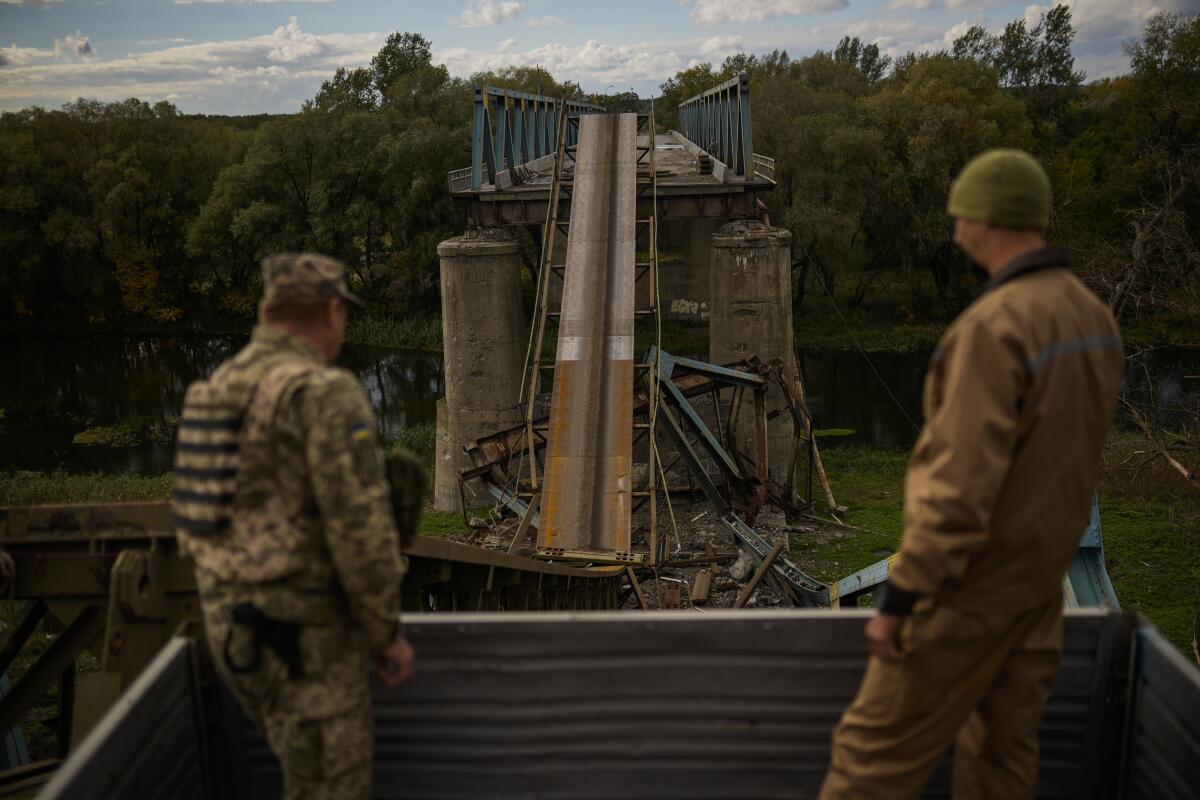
<point x="34" y="488"/>
<point x="129" y="432"/>
<point x="41" y="488"/>
<point x="381" y="330"/>
<point x="1150" y="519"/>
<point x="870" y="483"/>
<point x="440" y="524"/>
<point x="821" y="329"/>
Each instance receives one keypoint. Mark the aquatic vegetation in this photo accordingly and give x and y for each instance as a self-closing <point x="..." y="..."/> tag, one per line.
<point x="129" y="432"/>
<point x="420" y="439"/>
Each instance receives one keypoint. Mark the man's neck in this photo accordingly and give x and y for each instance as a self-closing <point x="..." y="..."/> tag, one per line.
<point x="1011" y="247"/>
<point x="301" y="332"/>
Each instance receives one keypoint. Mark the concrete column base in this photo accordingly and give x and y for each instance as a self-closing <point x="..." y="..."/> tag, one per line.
<point x="453" y="431"/>
<point x="751" y="314"/>
<point x="484" y="340"/>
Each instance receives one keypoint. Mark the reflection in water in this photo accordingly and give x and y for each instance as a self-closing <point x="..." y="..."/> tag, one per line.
<point x="53" y="388"/>
<point x="57" y="387"/>
<point x="844" y="392"/>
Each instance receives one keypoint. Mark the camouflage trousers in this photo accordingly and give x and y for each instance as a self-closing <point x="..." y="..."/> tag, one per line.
<point x="319" y="725"/>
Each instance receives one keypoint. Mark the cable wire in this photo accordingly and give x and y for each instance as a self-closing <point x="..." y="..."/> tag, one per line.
<point x="863" y="351"/>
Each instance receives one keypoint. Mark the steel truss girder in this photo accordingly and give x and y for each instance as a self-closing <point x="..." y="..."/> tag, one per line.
<point x="512" y="128"/>
<point x="718" y="121"/>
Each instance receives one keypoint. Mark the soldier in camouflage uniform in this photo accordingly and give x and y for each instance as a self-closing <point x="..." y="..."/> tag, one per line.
<point x="281" y="498"/>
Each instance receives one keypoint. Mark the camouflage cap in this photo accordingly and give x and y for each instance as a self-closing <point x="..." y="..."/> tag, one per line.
<point x="302" y="278"/>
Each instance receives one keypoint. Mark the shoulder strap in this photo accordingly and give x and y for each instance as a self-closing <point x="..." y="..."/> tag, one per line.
<point x="265" y="401"/>
<point x="206" y="460"/>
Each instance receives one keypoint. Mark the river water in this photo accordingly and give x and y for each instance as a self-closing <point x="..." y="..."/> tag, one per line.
<point x="55" y="387"/>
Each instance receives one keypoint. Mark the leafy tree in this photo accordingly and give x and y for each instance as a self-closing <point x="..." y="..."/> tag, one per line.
<point x="401" y="54"/>
<point x="348" y="89"/>
<point x="1128" y="177"/>
<point x="867" y="58"/>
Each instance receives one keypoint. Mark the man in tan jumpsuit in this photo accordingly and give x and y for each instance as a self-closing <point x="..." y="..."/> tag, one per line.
<point x="281" y="498"/>
<point x="1018" y="401"/>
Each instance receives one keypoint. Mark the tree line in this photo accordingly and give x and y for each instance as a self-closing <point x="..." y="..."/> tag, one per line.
<point x="127" y="213"/>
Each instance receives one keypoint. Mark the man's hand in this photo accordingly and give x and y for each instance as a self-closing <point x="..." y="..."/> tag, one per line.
<point x="883" y="637"/>
<point x="395" y="664"/>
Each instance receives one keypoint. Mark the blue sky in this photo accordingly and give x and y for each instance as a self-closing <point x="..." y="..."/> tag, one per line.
<point x="250" y="56"/>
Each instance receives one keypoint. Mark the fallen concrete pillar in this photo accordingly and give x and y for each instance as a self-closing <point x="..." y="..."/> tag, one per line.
<point x="484" y="341"/>
<point x="751" y="314"/>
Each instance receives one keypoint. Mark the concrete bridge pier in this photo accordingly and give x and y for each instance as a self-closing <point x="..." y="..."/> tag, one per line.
<point x="484" y="339"/>
<point x="751" y="314"/>
<point x="684" y="283"/>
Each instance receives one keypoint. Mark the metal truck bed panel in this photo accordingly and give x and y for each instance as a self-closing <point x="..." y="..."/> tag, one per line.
<point x="1164" y="753"/>
<point x="151" y="744"/>
<point x="665" y="704"/>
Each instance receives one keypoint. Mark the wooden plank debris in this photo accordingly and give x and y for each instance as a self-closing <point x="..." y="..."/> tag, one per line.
<point x="713" y="564"/>
<point x="672" y="595"/>
<point x="700" y="588"/>
<point x="691" y="562"/>
<point x="523" y="528"/>
<point x="637" y="587"/>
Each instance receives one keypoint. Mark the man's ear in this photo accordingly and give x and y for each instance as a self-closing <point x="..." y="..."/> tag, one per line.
<point x="331" y="309"/>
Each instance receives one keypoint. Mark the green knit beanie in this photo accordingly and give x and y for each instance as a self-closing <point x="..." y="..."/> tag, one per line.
<point x="1005" y="188"/>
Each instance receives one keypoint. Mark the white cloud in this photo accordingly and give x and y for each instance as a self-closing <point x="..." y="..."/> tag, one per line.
<point x="175" y="40"/>
<point x="19" y="56"/>
<point x="710" y="12"/>
<point x="506" y="45"/>
<point x="954" y="32"/>
<point x="548" y="21"/>
<point x="594" y="62"/>
<point x="241" y="2"/>
<point x="1107" y="19"/>
<point x="274" y="72"/>
<point x="74" y="47"/>
<point x="488" y="13"/>
<point x="950" y="5"/>
<point x="717" y="47"/>
<point x="291" y="43"/>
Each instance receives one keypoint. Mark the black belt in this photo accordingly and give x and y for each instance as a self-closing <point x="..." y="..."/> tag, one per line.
<point x="282" y="637"/>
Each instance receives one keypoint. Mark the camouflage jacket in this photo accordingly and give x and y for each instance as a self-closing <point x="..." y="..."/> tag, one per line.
<point x="310" y="535"/>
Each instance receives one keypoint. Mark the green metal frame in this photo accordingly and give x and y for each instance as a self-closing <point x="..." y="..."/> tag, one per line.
<point x="512" y="128"/>
<point x="718" y="121"/>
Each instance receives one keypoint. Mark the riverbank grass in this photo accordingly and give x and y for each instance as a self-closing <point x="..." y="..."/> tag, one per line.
<point x="1150" y="520"/>
<point x="383" y="330"/>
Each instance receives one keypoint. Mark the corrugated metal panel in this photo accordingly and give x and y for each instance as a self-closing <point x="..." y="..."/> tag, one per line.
<point x="1164" y="755"/>
<point x="712" y="705"/>
<point x="150" y="745"/>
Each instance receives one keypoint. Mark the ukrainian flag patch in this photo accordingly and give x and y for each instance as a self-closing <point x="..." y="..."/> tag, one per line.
<point x="367" y="457"/>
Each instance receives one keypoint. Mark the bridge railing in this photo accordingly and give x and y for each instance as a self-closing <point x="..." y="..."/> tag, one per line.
<point x="511" y="129"/>
<point x="718" y="121"/>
